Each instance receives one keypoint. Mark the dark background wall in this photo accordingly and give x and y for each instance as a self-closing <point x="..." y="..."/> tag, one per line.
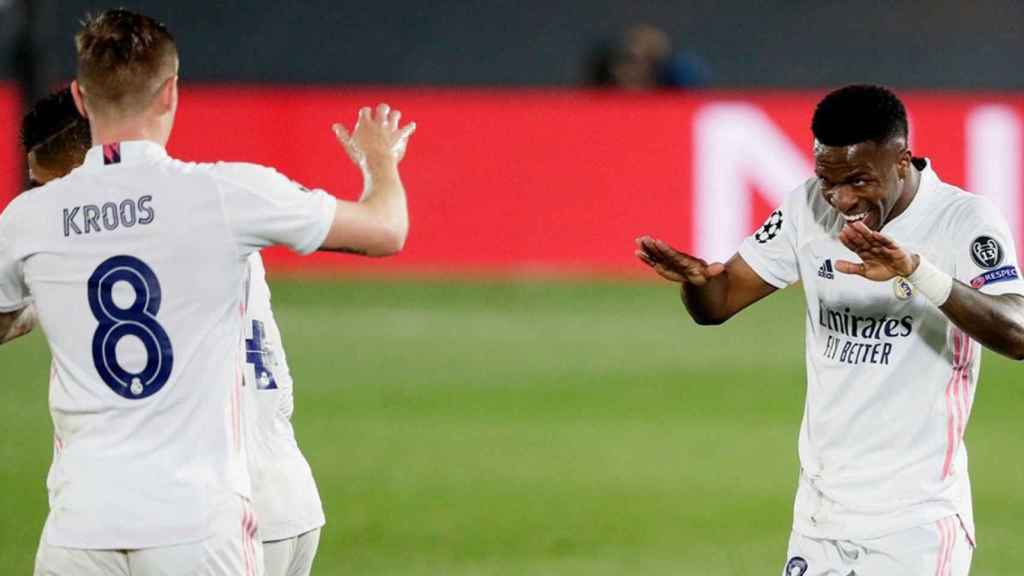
<point x="795" y="43"/>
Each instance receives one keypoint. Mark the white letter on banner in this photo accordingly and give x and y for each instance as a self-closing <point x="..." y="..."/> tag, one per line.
<point x="994" y="159"/>
<point x="736" y="145"/>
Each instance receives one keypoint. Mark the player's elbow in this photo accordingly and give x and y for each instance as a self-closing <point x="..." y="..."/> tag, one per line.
<point x="391" y="241"/>
<point x="1016" y="347"/>
<point x="709" y="320"/>
<point x="358" y="230"/>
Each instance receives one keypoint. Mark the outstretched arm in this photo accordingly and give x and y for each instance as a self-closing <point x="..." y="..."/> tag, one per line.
<point x="17" y="323"/>
<point x="378" y="223"/>
<point x="997" y="321"/>
<point x="712" y="292"/>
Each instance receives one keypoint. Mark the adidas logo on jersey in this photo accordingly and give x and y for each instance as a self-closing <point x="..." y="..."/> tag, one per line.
<point x="826" y="271"/>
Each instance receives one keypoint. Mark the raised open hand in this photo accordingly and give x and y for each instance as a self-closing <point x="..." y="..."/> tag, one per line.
<point x="674" y="265"/>
<point x="376" y="136"/>
<point x="882" y="259"/>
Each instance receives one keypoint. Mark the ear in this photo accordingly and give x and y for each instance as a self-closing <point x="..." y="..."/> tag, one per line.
<point x="903" y="163"/>
<point x="76" y="95"/>
<point x="168" y="95"/>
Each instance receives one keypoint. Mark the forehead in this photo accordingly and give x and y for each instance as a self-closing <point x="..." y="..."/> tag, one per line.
<point x="861" y="157"/>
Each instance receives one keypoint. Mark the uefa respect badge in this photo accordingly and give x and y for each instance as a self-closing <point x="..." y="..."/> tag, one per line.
<point x="1004" y="274"/>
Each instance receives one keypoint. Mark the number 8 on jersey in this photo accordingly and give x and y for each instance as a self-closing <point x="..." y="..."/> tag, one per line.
<point x="138" y="320"/>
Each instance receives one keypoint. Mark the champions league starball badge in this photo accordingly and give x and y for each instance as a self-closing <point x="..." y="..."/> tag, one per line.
<point x="986" y="252"/>
<point x="796" y="566"/>
<point x="770" y="229"/>
<point x="902" y="287"/>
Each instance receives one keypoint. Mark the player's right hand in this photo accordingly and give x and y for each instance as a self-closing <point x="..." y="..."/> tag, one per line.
<point x="674" y="265"/>
<point x="376" y="136"/>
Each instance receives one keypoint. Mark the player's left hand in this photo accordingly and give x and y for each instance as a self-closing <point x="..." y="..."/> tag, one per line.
<point x="377" y="137"/>
<point x="882" y="259"/>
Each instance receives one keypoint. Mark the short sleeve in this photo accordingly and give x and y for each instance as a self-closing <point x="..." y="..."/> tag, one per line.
<point x="985" y="255"/>
<point x="14" y="293"/>
<point x="264" y="208"/>
<point x="771" y="250"/>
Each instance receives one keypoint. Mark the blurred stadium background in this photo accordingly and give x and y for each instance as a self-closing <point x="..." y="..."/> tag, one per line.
<point x="514" y="395"/>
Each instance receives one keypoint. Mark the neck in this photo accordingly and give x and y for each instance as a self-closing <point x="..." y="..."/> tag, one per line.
<point x="907" y="193"/>
<point x="125" y="130"/>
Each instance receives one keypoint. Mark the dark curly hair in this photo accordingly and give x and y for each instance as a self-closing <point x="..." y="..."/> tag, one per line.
<point x="54" y="131"/>
<point x="859" y="113"/>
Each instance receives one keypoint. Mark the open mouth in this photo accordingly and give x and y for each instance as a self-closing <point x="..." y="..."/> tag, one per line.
<point x="851" y="218"/>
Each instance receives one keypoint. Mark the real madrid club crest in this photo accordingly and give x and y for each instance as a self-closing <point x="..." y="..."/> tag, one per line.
<point x="902" y="287"/>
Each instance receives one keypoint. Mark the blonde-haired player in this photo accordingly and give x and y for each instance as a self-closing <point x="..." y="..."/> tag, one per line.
<point x="134" y="263"/>
<point x="56" y="139"/>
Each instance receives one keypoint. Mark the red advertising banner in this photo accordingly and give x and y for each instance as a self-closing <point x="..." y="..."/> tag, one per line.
<point x="12" y="163"/>
<point x="562" y="181"/>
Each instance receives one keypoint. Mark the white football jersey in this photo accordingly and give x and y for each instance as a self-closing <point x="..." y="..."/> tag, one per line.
<point x="136" y="262"/>
<point x="284" y="493"/>
<point x="890" y="380"/>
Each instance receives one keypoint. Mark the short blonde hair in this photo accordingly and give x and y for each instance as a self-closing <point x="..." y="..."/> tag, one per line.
<point x="123" y="59"/>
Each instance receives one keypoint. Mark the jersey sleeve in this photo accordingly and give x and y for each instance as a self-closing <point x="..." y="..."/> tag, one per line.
<point x="14" y="293"/>
<point x="264" y="208"/>
<point x="985" y="255"/>
<point x="771" y="250"/>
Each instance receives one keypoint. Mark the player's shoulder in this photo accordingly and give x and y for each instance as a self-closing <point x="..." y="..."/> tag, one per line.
<point x="803" y="197"/>
<point x="958" y="207"/>
<point x="244" y="174"/>
<point x="38" y="198"/>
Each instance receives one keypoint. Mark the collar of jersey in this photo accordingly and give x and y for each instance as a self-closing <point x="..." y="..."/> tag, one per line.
<point x="132" y="152"/>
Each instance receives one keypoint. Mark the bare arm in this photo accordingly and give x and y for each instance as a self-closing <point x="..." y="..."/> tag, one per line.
<point x="712" y="293"/>
<point x="995" y="321"/>
<point x="17" y="323"/>
<point x="376" y="225"/>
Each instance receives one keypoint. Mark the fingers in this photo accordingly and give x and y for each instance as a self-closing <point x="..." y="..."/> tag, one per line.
<point x="343" y="136"/>
<point x="876" y="237"/>
<point x="382" y="113"/>
<point x="661" y="252"/>
<point x="644" y="257"/>
<point x="353" y="151"/>
<point x="393" y="119"/>
<point x="404" y="133"/>
<point x="860" y="239"/>
<point x="714" y="269"/>
<point x="658" y="267"/>
<point x="674" y="265"/>
<point x="847" y="267"/>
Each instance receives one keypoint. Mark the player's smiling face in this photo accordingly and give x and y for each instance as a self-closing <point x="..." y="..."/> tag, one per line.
<point x="862" y="181"/>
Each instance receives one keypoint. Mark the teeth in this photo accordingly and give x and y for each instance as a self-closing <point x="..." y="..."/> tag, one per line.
<point x="855" y="217"/>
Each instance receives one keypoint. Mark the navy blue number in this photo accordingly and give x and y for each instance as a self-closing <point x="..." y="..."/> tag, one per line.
<point x="255" y="354"/>
<point x="138" y="320"/>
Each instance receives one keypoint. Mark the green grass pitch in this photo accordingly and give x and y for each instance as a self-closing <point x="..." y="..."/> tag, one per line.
<point x="539" y="428"/>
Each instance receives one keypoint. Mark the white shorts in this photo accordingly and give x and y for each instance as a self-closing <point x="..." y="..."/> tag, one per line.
<point x="233" y="550"/>
<point x="292" y="556"/>
<point x="939" y="549"/>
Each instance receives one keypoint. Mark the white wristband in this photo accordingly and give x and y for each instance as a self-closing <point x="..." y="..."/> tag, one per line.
<point x="932" y="283"/>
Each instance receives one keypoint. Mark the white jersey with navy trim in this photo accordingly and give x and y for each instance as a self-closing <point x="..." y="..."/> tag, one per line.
<point x="135" y="262"/>
<point x="284" y="493"/>
<point x="890" y="380"/>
